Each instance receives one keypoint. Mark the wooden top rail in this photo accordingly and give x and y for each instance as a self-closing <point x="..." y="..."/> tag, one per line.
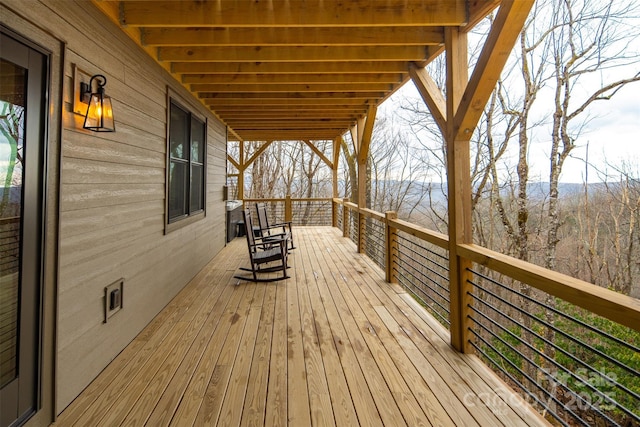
<point x="372" y="214"/>
<point x="604" y="302"/>
<point x="433" y="237"/>
<point x="350" y="205"/>
<point x="364" y="211"/>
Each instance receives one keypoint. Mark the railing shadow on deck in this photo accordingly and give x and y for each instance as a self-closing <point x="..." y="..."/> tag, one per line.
<point x="568" y="347"/>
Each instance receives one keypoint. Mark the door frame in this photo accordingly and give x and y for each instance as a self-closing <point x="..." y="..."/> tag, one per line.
<point x="21" y="392"/>
<point x="37" y="38"/>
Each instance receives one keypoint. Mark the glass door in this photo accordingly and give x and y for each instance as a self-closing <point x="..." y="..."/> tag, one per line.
<point x="22" y="96"/>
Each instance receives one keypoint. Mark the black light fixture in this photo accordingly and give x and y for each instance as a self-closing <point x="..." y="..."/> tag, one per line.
<point x="99" y="117"/>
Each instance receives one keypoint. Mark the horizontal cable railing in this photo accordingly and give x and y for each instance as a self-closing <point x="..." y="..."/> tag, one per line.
<point x="374" y="242"/>
<point x="311" y="212"/>
<point x="339" y="216"/>
<point x="569" y="348"/>
<point x="353" y="226"/>
<point x="9" y="244"/>
<point x="573" y="365"/>
<point x="423" y="270"/>
<point x="301" y="212"/>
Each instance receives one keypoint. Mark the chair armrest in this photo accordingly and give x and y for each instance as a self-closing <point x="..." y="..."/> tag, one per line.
<point x="271" y="226"/>
<point x="281" y="224"/>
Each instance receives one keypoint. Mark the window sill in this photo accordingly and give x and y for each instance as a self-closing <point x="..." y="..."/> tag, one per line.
<point x="181" y="223"/>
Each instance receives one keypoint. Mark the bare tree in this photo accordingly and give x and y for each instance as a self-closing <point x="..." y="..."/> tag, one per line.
<point x="586" y="40"/>
<point x="11" y="122"/>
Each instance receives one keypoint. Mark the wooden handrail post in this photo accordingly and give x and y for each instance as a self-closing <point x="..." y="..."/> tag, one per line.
<point x="288" y="211"/>
<point x="334" y="213"/>
<point x="391" y="253"/>
<point x="345" y="218"/>
<point x="362" y="232"/>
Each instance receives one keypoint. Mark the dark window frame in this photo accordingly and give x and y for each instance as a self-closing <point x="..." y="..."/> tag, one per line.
<point x="189" y="214"/>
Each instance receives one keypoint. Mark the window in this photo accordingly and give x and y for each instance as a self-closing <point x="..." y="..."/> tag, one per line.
<point x="186" y="174"/>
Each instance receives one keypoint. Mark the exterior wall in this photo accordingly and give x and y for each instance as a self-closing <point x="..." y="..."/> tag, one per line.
<point x="112" y="196"/>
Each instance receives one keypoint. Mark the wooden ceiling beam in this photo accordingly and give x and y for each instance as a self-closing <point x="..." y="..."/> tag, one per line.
<point x="289" y="135"/>
<point x="282" y="13"/>
<point x="292" y="53"/>
<point x="258" y="114"/>
<point x="478" y="10"/>
<point x="288" y="88"/>
<point x="292" y="36"/>
<point x="292" y="95"/>
<point x="264" y="79"/>
<point x="309" y="108"/>
<point x="290" y="115"/>
<point x="292" y="126"/>
<point x="231" y="67"/>
<point x="261" y="103"/>
<point x="294" y="120"/>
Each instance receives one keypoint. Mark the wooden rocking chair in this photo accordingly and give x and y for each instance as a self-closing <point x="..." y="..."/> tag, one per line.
<point x="273" y="231"/>
<point x="264" y="252"/>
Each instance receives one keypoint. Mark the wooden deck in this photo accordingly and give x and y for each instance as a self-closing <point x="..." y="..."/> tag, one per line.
<point x="332" y="345"/>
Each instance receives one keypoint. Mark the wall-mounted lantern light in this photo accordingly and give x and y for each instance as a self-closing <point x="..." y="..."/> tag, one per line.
<point x="99" y="117"/>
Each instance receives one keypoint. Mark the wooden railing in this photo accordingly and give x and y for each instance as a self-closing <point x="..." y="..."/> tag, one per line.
<point x="604" y="302"/>
<point x="491" y="304"/>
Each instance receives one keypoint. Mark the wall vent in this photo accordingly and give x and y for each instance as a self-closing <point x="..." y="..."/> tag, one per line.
<point x="113" y="298"/>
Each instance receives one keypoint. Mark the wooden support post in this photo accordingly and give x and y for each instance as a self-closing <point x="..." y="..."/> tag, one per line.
<point x="362" y="202"/>
<point x="345" y="218"/>
<point x="391" y="253"/>
<point x="241" y="170"/>
<point x="334" y="213"/>
<point x="288" y="211"/>
<point x="465" y="101"/>
<point x="365" y="131"/>
<point x="362" y="232"/>
<point x="459" y="192"/>
<point x="337" y="143"/>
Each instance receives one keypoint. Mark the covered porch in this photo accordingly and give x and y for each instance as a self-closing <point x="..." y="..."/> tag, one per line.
<point x="333" y="345"/>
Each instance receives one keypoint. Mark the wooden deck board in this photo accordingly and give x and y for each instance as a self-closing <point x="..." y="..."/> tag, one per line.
<point x="332" y="345"/>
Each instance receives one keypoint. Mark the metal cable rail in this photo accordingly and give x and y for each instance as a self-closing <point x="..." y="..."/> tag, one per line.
<point x="375" y="242"/>
<point x="576" y="396"/>
<point x="420" y="275"/>
<point x="411" y="252"/>
<point x="571" y="318"/>
<point x="311" y="212"/>
<point x="532" y="363"/>
<point x="416" y="271"/>
<point x="408" y="284"/>
<point x="353" y="229"/>
<point x="10" y="244"/>
<point x="304" y="212"/>
<point x="513" y="379"/>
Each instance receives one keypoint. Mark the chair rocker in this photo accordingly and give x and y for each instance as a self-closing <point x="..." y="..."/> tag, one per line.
<point x="273" y="231"/>
<point x="262" y="252"/>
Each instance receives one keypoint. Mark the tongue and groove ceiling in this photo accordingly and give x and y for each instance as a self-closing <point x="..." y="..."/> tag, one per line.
<point x="293" y="69"/>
